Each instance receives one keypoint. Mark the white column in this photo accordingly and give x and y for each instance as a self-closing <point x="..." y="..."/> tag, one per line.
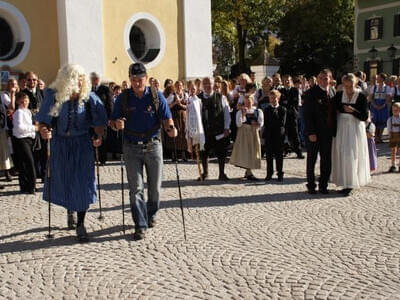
<point x="198" y="38"/>
<point x="80" y="30"/>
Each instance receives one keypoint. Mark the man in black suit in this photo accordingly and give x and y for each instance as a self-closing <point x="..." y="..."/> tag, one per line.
<point x="105" y="95"/>
<point x="33" y="92"/>
<point x="320" y="123"/>
<point x="274" y="134"/>
<point x="216" y="119"/>
<point x="290" y="100"/>
<point x="35" y="100"/>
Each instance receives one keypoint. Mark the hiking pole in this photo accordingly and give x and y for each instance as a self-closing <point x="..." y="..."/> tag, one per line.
<point x="122" y="181"/>
<point x="49" y="235"/>
<point x="179" y="188"/>
<point x="98" y="182"/>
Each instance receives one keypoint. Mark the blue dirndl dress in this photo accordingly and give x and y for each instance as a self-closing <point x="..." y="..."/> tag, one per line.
<point x="379" y="117"/>
<point x="72" y="174"/>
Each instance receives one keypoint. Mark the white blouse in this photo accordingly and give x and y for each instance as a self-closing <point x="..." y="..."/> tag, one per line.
<point x="242" y="119"/>
<point x="22" y="124"/>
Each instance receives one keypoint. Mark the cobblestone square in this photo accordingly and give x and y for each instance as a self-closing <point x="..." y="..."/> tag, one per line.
<point x="245" y="241"/>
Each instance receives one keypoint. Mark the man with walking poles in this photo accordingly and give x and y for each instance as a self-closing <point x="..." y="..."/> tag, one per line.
<point x="139" y="113"/>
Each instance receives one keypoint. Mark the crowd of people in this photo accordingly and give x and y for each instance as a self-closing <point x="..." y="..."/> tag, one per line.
<point x="340" y="122"/>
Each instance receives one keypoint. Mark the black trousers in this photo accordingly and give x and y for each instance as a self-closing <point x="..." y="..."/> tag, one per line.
<point x="40" y="157"/>
<point x="274" y="148"/>
<point x="322" y="146"/>
<point x="25" y="164"/>
<point x="220" y="150"/>
<point x="292" y="131"/>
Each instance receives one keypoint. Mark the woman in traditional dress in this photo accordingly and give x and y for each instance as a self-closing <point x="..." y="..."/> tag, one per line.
<point x="247" y="148"/>
<point x="5" y="157"/>
<point x="78" y="119"/>
<point x="350" y="158"/>
<point x="380" y="97"/>
<point x="177" y="101"/>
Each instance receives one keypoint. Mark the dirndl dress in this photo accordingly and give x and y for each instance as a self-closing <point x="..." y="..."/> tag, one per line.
<point x="72" y="174"/>
<point x="246" y="151"/>
<point x="350" y="157"/>
<point x="379" y="117"/>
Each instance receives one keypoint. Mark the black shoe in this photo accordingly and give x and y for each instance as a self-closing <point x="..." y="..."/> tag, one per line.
<point x="1" y="187"/>
<point x="8" y="177"/>
<point x="139" y="234"/>
<point x="323" y="191"/>
<point x="300" y="156"/>
<point x="251" y="177"/>
<point x="268" y="178"/>
<point x="81" y="234"/>
<point x="311" y="191"/>
<point x="203" y="177"/>
<point x="223" y="177"/>
<point x="346" y="192"/>
<point x="280" y="178"/>
<point x="152" y="223"/>
<point x="392" y="169"/>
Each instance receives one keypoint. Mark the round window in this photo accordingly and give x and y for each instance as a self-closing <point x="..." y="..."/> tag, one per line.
<point x="6" y="38"/>
<point x="144" y="39"/>
<point x="15" y="36"/>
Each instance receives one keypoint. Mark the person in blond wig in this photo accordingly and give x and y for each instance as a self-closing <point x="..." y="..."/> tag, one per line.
<point x="74" y="119"/>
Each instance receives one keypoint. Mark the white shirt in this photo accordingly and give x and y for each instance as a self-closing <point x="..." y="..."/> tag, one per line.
<point x="22" y="124"/>
<point x="393" y="120"/>
<point x="5" y="99"/>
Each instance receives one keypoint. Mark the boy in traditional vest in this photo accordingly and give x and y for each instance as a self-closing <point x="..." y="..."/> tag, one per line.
<point x="393" y="128"/>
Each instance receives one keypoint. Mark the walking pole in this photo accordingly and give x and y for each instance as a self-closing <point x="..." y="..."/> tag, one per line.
<point x="198" y="161"/>
<point x="49" y="235"/>
<point x="122" y="181"/>
<point x="98" y="182"/>
<point x="179" y="189"/>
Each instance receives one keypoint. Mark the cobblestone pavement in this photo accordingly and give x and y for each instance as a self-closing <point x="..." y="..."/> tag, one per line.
<point x="245" y="241"/>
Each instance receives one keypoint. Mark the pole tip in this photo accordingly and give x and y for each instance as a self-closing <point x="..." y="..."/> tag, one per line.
<point x="50" y="236"/>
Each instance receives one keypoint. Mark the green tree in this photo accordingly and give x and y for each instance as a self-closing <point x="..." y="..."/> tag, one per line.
<point x="316" y="34"/>
<point x="236" y="23"/>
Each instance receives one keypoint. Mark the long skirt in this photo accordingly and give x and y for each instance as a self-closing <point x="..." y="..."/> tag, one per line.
<point x="72" y="179"/>
<point x="373" y="157"/>
<point x="179" y="117"/>
<point x="246" y="151"/>
<point x="5" y="157"/>
<point x="350" y="158"/>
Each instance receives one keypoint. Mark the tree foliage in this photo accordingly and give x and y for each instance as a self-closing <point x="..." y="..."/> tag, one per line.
<point x="237" y="23"/>
<point x="316" y="34"/>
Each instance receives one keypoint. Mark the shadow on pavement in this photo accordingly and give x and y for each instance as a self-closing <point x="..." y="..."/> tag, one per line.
<point x="98" y="236"/>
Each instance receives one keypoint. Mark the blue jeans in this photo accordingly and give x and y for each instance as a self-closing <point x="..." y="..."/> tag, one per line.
<point x="149" y="156"/>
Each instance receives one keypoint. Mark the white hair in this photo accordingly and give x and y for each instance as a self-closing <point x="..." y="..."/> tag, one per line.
<point x="66" y="84"/>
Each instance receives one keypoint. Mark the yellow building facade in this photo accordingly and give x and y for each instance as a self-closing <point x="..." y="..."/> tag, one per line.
<point x="171" y="37"/>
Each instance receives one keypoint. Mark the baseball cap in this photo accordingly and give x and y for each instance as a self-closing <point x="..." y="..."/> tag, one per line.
<point x="137" y="70"/>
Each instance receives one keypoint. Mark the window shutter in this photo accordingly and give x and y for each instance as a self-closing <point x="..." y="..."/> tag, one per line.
<point x="380" y="66"/>
<point x="367" y="30"/>
<point x="366" y="69"/>
<point x="396" y="66"/>
<point x="396" y="29"/>
<point x="380" y="28"/>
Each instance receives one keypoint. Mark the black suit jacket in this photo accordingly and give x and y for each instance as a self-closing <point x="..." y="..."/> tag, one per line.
<point x="319" y="112"/>
<point x="290" y="100"/>
<point x="274" y="123"/>
<point x="35" y="99"/>
<point x="104" y="93"/>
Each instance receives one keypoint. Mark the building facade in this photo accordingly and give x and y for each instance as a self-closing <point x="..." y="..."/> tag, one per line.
<point x="377" y="36"/>
<point x="171" y="37"/>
